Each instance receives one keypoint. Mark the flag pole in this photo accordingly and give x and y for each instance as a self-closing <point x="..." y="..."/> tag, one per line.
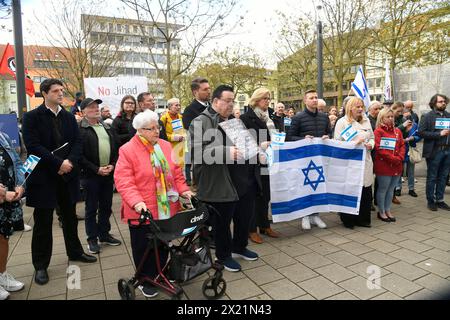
<point x="20" y="65"/>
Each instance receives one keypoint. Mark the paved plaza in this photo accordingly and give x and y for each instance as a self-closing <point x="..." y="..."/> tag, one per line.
<point x="412" y="254"/>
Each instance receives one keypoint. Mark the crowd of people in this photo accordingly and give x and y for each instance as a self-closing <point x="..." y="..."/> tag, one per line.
<point x="152" y="160"/>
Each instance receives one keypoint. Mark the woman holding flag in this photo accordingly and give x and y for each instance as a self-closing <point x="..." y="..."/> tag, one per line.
<point x="355" y="127"/>
<point x="389" y="156"/>
<point x="11" y="191"/>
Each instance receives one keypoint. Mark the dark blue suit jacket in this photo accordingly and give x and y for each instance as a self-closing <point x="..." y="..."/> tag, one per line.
<point x="39" y="138"/>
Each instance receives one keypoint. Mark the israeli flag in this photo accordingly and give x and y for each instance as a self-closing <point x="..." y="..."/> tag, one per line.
<point x="349" y="133"/>
<point x="30" y="164"/>
<point x="360" y="88"/>
<point x="388" y="143"/>
<point x="310" y="176"/>
<point x="278" y="138"/>
<point x="442" y="123"/>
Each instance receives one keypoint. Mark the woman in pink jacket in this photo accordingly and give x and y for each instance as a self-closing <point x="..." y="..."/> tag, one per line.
<point x="147" y="178"/>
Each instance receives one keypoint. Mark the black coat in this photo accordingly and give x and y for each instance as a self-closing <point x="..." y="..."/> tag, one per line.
<point x="90" y="161"/>
<point x="121" y="127"/>
<point x="39" y="138"/>
<point x="432" y="137"/>
<point x="162" y="131"/>
<point x="308" y="123"/>
<point x="191" y="112"/>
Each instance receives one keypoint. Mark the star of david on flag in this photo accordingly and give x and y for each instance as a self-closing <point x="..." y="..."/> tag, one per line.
<point x="308" y="181"/>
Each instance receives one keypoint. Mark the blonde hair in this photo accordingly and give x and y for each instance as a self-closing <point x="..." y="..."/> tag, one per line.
<point x="353" y="102"/>
<point x="383" y="113"/>
<point x="257" y="96"/>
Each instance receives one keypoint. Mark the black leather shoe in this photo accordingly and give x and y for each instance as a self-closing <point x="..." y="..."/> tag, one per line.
<point x="443" y="205"/>
<point x="365" y="225"/>
<point x="432" y="206"/>
<point x="85" y="258"/>
<point x="41" y="277"/>
<point x="412" y="193"/>
<point x="383" y="219"/>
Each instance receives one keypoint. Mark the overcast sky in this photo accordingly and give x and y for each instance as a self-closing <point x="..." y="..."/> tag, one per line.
<point x="259" y="31"/>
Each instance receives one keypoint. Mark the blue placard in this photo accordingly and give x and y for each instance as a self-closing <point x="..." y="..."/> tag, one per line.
<point x="8" y="125"/>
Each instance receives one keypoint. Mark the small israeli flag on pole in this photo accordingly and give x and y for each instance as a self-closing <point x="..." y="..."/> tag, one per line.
<point x="349" y="133"/>
<point x="442" y="123"/>
<point x="29" y="165"/>
<point x="278" y="138"/>
<point x="388" y="143"/>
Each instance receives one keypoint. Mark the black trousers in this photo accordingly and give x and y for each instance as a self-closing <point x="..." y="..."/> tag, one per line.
<point x="240" y="212"/>
<point x="42" y="239"/>
<point x="261" y="217"/>
<point x="139" y="244"/>
<point x="364" y="210"/>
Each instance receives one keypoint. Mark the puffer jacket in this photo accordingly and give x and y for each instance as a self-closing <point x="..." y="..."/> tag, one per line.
<point x="389" y="162"/>
<point x="308" y="123"/>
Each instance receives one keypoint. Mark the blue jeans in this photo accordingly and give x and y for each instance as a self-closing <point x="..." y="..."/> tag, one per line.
<point x="410" y="168"/>
<point x="437" y="172"/>
<point x="99" y="194"/>
<point x="385" y="192"/>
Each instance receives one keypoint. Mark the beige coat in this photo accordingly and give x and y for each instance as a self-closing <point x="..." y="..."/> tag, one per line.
<point x="364" y="130"/>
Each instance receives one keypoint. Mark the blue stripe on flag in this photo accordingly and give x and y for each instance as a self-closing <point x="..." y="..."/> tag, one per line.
<point x="358" y="92"/>
<point x="313" y="200"/>
<point x="318" y="150"/>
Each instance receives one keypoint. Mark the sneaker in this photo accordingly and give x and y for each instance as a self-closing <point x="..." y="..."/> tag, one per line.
<point x="26" y="228"/>
<point x="3" y="294"/>
<point x="246" y="255"/>
<point x="443" y="205"/>
<point x="231" y="265"/>
<point x="412" y="193"/>
<point x="148" y="290"/>
<point x="93" y="247"/>
<point x="306" y="225"/>
<point x="318" y="222"/>
<point x="10" y="284"/>
<point x="111" y="241"/>
<point x="432" y="206"/>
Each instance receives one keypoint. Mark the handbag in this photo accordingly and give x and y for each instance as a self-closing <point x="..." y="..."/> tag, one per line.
<point x="414" y="155"/>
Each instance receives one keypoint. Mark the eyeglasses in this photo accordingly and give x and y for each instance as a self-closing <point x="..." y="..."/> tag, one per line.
<point x="152" y="129"/>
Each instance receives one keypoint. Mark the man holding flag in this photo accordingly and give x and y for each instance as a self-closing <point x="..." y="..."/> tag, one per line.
<point x="310" y="124"/>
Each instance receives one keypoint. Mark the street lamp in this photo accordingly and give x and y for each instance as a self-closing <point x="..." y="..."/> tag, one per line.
<point x="20" y="66"/>
<point x="319" y="56"/>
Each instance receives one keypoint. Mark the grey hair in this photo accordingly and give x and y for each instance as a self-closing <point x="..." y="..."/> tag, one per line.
<point x="373" y="103"/>
<point x="141" y="120"/>
<point x="172" y="101"/>
<point x="322" y="102"/>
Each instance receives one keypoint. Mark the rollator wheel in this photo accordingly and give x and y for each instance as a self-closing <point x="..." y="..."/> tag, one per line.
<point x="126" y="290"/>
<point x="214" y="287"/>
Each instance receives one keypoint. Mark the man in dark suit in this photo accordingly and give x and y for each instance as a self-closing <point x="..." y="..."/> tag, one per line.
<point x="52" y="133"/>
<point x="202" y="93"/>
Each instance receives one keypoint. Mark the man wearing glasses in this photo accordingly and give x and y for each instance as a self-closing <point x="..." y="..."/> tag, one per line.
<point x="434" y="128"/>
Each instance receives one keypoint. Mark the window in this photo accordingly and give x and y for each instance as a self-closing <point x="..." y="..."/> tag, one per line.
<point x="110" y="27"/>
<point x="378" y="82"/>
<point x="127" y="28"/>
<point x="135" y="29"/>
<point x="119" y="28"/>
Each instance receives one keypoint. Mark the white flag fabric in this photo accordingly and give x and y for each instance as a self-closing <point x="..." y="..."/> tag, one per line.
<point x="387" y="83"/>
<point x="360" y="88"/>
<point x="30" y="164"/>
<point x="311" y="176"/>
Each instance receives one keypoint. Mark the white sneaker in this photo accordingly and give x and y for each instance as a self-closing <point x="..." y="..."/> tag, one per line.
<point x="318" y="222"/>
<point x="10" y="284"/>
<point x="306" y="225"/>
<point x="3" y="294"/>
<point x="26" y="227"/>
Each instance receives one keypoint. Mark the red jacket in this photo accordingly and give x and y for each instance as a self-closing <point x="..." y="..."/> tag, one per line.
<point x="135" y="181"/>
<point x="389" y="162"/>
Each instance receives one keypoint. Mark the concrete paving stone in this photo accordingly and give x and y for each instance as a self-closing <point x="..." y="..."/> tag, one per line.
<point x="247" y="265"/>
<point x="59" y="259"/>
<point x="355" y="248"/>
<point x="228" y="276"/>
<point x="408" y="256"/>
<point x="99" y="296"/>
<point x="115" y="261"/>
<point x="55" y="298"/>
<point x="278" y="260"/>
<point x="87" y="288"/>
<point x="344" y="258"/>
<point x="382" y="246"/>
<point x="406" y="270"/>
<point x="21" y="270"/>
<point x="242" y="289"/>
<point x="361" y="237"/>
<point x="112" y="293"/>
<point x="436" y="267"/>
<point x="359" y="287"/>
<point x="387" y="296"/>
<point x="393" y="228"/>
<point x="283" y="290"/>
<point x="263" y="275"/>
<point x="295" y="249"/>
<point x="399" y="286"/>
<point x="414" y="246"/>
<point x="378" y="258"/>
<point x="439" y="255"/>
<point x="113" y="275"/>
<point x="364" y="269"/>
<point x="343" y="231"/>
<point x="434" y="283"/>
<point x="335" y="239"/>
<point x="440" y="226"/>
<point x="261" y="297"/>
<point x="109" y="251"/>
<point x="343" y="296"/>
<point x="414" y="235"/>
<point x="320" y="287"/>
<point x="323" y="248"/>
<point x="420" y="221"/>
<point x="315" y="231"/>
<point x="314" y="260"/>
<point x="193" y="291"/>
<point x="440" y="235"/>
<point x="371" y="231"/>
<point x="391" y="237"/>
<point x="437" y="243"/>
<point x="423" y="294"/>
<point x="335" y="273"/>
<point x="445" y="220"/>
<point x="19" y="259"/>
<point x="289" y="231"/>
<point x="307" y="239"/>
<point x="58" y="271"/>
<point x="263" y="249"/>
<point x="297" y="272"/>
<point x="306" y="297"/>
<point x="53" y="288"/>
